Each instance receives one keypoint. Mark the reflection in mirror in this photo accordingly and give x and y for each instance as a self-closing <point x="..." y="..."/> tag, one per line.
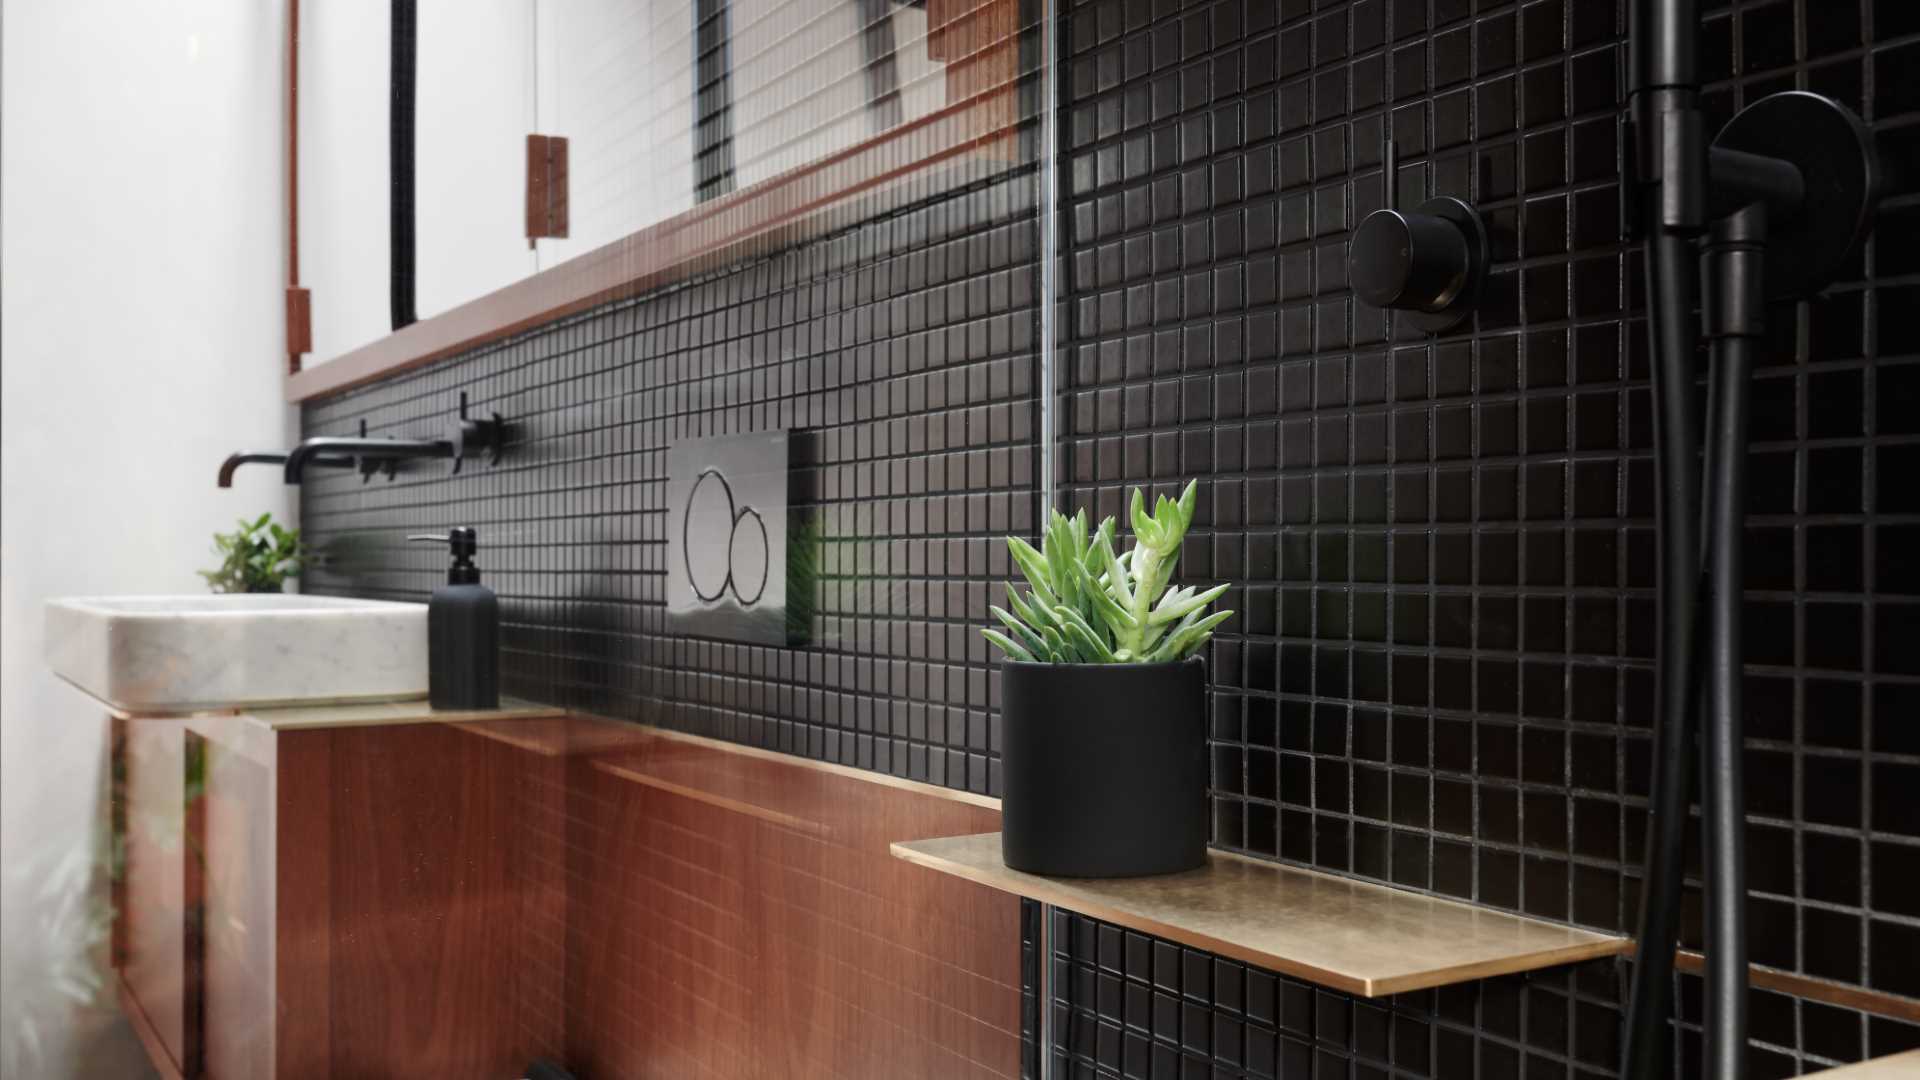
<point x="473" y="104"/>
<point x="614" y="78"/>
<point x="621" y="144"/>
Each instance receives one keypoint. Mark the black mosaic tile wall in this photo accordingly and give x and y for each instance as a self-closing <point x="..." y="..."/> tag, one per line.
<point x="1440" y="676"/>
<point x="1136" y="1006"/>
<point x="1442" y="548"/>
<point x="900" y="352"/>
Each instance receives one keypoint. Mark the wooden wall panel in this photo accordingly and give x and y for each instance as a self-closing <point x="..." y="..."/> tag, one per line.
<point x="303" y="905"/>
<point x="430" y="902"/>
<point x="737" y="916"/>
<point x="460" y="900"/>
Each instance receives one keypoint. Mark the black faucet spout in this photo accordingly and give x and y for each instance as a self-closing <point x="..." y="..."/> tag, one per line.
<point x="249" y="457"/>
<point x="314" y="450"/>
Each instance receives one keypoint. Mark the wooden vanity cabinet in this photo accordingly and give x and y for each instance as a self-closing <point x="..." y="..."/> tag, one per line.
<point x="318" y="893"/>
<point x="441" y="897"/>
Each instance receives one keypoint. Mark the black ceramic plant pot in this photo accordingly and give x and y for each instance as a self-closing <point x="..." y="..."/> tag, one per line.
<point x="1104" y="768"/>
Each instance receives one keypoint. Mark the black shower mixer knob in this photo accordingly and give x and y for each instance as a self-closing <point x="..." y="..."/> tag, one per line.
<point x="1428" y="263"/>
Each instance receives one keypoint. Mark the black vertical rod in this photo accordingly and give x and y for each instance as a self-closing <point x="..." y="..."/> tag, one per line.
<point x="1725" y="1014"/>
<point x="1735" y="321"/>
<point x="405" y="40"/>
<point x="1670" y="160"/>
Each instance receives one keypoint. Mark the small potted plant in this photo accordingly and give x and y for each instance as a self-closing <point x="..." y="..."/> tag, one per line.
<point x="1104" y="700"/>
<point x="258" y="557"/>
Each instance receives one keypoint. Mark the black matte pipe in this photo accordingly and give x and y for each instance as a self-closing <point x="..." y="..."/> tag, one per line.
<point x="316" y="448"/>
<point x="1670" y="164"/>
<point x="234" y="461"/>
<point x="400" y="159"/>
<point x="1660" y="45"/>
<point x="1725" y="1011"/>
<point x="1735" y="322"/>
<point x="1671" y="287"/>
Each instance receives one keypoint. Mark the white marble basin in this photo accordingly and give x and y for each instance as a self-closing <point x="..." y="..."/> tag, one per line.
<point x="169" y="654"/>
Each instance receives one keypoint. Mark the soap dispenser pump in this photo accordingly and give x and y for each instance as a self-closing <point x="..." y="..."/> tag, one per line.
<point x="463" y="631"/>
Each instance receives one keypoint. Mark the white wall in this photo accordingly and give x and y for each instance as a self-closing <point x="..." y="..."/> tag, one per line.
<point x="473" y="111"/>
<point x="141" y="340"/>
<point x="616" y="79"/>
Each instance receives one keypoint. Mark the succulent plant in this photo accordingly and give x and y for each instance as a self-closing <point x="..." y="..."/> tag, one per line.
<point x="1088" y="605"/>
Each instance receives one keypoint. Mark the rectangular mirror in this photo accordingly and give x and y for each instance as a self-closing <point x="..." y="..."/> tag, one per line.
<point x="558" y="154"/>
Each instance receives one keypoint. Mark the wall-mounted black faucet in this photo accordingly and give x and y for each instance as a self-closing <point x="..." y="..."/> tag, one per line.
<point x="465" y="436"/>
<point x="234" y="461"/>
<point x="369" y="451"/>
<point x="1427" y="264"/>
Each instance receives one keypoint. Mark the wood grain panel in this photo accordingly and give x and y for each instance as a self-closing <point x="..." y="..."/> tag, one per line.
<point x="193" y="907"/>
<point x="737" y="916"/>
<point x="431" y="902"/>
<point x="155" y="904"/>
<point x="460" y="899"/>
<point x="144" y="1030"/>
<point x="235" y="823"/>
<point x="117" y="796"/>
<point x="303" y="905"/>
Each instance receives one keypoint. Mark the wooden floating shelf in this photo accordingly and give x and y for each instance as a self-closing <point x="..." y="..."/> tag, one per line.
<point x="1904" y="1066"/>
<point x="1365" y="939"/>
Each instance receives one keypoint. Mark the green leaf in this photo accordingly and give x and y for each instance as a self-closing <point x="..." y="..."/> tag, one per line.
<point x="1058" y="651"/>
<point x="1117" y="618"/>
<point x="1144" y="528"/>
<point x="1173" y="609"/>
<point x="1118" y="585"/>
<point x="1100" y="549"/>
<point x="250" y="561"/>
<point x="1181" y="644"/>
<point x="1007" y="645"/>
<point x="1095" y="650"/>
<point x="1034" y="566"/>
<point x="1030" y="610"/>
<point x="1027" y="637"/>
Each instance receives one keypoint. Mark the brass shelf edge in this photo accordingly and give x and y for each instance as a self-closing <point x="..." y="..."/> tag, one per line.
<point x="1903" y="1064"/>
<point x="1814" y="988"/>
<point x="1582" y="944"/>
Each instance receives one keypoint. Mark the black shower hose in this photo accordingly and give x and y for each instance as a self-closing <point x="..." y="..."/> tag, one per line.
<point x="1672" y="285"/>
<point x="1736" y="318"/>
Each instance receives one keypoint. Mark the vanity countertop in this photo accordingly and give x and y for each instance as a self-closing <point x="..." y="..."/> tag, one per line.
<point x="362" y="714"/>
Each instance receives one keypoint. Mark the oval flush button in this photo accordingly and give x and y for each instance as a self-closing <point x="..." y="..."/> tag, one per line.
<point x="1427" y="264"/>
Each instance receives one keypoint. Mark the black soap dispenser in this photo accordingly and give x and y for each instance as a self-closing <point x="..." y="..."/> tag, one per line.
<point x="463" y="632"/>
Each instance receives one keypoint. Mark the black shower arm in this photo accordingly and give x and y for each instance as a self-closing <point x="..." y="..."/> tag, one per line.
<point x="312" y="450"/>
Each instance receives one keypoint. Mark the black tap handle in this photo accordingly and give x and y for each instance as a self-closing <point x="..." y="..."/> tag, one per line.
<point x="1416" y="261"/>
<point x="1428" y="262"/>
<point x="469" y="434"/>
